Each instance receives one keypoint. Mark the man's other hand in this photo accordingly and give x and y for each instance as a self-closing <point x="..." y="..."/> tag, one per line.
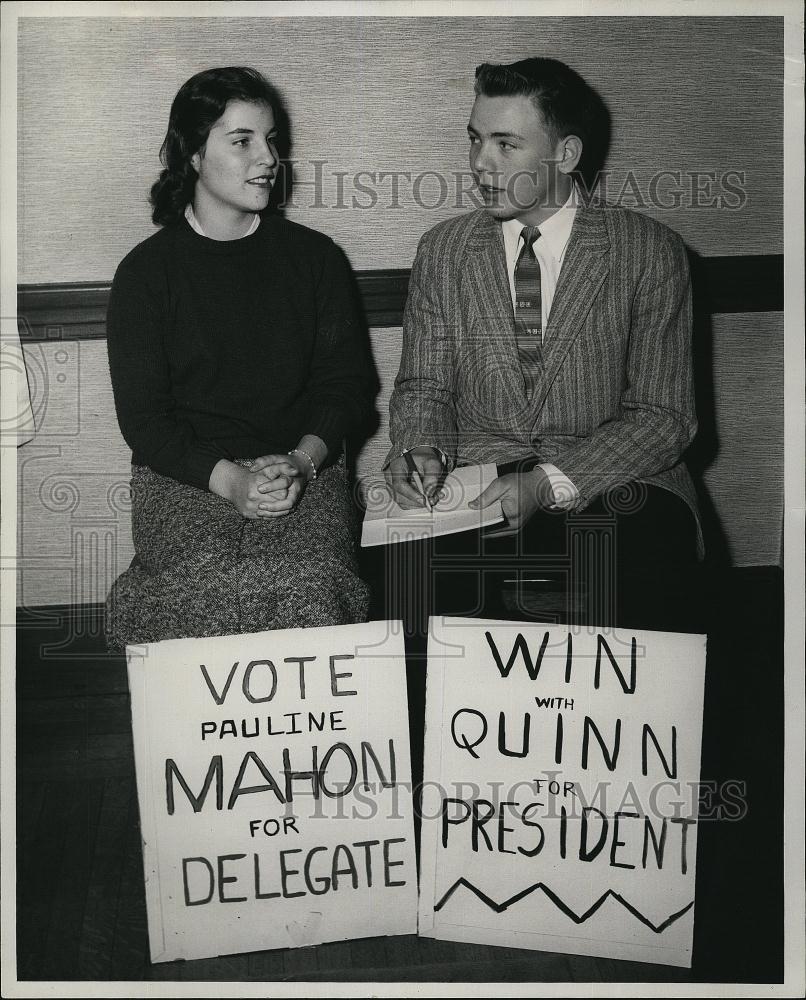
<point x="521" y="495"/>
<point x="413" y="489"/>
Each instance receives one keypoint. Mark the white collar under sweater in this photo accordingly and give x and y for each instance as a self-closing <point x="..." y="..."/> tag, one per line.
<point x="195" y="225"/>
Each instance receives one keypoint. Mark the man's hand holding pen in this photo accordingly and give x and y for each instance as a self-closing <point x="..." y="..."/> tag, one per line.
<point x="415" y="478"/>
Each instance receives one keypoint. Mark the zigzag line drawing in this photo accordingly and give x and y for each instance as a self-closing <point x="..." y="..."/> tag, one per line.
<point x="577" y="918"/>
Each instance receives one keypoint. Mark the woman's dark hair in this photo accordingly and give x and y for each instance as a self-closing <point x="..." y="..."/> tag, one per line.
<point x="568" y="104"/>
<point x="198" y="105"/>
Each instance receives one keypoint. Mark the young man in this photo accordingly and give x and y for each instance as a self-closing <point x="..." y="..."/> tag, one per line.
<point x="553" y="338"/>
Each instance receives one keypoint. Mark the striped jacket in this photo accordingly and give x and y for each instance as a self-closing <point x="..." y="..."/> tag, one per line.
<point x="615" y="404"/>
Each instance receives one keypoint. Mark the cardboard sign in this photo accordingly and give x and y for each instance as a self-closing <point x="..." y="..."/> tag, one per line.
<point x="561" y="788"/>
<point x="274" y="783"/>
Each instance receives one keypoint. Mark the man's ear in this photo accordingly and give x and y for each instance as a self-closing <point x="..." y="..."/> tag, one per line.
<point x="569" y="153"/>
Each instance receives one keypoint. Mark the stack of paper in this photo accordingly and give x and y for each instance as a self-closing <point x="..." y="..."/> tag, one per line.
<point x="385" y="522"/>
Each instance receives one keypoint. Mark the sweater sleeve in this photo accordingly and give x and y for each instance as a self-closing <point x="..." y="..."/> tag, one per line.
<point x="141" y="380"/>
<point x="338" y="395"/>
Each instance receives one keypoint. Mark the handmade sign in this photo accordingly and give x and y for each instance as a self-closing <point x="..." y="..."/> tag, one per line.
<point x="274" y="779"/>
<point x="561" y="788"/>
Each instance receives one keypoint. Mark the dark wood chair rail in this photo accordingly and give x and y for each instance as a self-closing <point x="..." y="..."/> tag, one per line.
<point x="77" y="311"/>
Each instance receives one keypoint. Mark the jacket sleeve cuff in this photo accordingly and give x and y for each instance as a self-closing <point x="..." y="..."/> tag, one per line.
<point x="397" y="451"/>
<point x="566" y="495"/>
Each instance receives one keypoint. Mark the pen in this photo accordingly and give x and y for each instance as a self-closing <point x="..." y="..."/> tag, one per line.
<point x="412" y="467"/>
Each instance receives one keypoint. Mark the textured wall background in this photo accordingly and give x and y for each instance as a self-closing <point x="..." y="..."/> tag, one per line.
<point x="693" y="94"/>
<point x="686" y="94"/>
<point x="75" y="535"/>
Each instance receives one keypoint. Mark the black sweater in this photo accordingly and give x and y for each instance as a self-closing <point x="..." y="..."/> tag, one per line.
<point x="233" y="349"/>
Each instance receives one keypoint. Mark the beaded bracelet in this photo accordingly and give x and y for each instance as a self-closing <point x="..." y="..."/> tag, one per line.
<point x="299" y="451"/>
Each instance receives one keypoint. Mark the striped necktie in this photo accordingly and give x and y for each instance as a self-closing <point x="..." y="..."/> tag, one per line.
<point x="528" y="318"/>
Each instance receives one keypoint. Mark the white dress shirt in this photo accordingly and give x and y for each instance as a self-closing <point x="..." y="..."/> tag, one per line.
<point x="549" y="250"/>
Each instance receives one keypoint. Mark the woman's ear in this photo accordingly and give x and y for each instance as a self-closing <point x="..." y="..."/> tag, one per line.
<point x="195" y="161"/>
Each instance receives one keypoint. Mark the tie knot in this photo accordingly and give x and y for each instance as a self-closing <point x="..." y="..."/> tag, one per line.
<point x="530" y="234"/>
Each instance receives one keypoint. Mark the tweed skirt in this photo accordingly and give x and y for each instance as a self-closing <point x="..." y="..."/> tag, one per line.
<point x="201" y="569"/>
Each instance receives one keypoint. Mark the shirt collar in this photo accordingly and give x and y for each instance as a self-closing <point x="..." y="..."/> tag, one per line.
<point x="195" y="225"/>
<point x="554" y="232"/>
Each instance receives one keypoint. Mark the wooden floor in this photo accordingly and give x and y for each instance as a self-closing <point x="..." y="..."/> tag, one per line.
<point x="81" y="905"/>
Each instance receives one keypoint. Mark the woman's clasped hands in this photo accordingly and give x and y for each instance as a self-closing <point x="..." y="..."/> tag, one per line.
<point x="271" y="486"/>
<point x="280" y="483"/>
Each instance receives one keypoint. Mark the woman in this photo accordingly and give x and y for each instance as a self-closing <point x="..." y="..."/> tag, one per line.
<point x="237" y="367"/>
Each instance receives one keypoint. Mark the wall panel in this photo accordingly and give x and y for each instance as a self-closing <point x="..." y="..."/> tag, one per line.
<point x="745" y="479"/>
<point x="386" y="94"/>
<point x="74" y="531"/>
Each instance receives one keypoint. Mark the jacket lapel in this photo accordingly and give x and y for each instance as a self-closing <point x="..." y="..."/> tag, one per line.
<point x="584" y="269"/>
<point x="487" y="300"/>
<point x="487" y="303"/>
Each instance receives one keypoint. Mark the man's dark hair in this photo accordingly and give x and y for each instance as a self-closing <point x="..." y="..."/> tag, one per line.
<point x="568" y="105"/>
<point x="198" y="105"/>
